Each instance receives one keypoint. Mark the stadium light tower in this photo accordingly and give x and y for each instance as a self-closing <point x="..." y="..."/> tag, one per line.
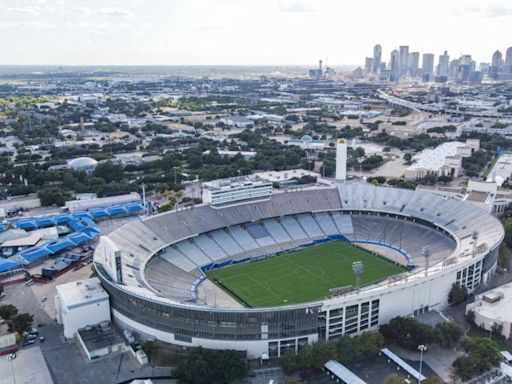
<point x="422" y="349"/>
<point x="358" y="268"/>
<point x="425" y="251"/>
<point x="474" y="236"/>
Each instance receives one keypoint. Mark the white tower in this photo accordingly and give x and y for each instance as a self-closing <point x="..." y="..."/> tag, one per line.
<point x="341" y="160"/>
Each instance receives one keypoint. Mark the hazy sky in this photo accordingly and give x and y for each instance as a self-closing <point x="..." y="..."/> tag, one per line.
<point x="274" y="32"/>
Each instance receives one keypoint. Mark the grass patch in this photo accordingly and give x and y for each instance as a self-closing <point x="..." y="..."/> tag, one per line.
<point x="301" y="276"/>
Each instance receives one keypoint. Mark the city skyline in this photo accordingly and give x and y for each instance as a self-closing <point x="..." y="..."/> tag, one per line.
<point x="269" y="32"/>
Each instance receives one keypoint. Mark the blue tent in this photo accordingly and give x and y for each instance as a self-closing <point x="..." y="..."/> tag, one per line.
<point x="34" y="253"/>
<point x="6" y="265"/>
<point x="48" y="221"/>
<point x="59" y="245"/>
<point x="26" y="224"/>
<point x="117" y="210"/>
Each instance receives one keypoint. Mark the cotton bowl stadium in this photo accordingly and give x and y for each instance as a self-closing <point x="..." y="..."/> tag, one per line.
<point x="278" y="271"/>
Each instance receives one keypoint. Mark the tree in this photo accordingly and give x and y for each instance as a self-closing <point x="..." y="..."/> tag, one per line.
<point x="481" y="355"/>
<point x="407" y="332"/>
<point x="204" y="366"/>
<point x="52" y="195"/>
<point x="448" y="334"/>
<point x="109" y="171"/>
<point x="289" y="362"/>
<point x="21" y="323"/>
<point x="7" y="311"/>
<point x="394" y="379"/>
<point x="457" y="294"/>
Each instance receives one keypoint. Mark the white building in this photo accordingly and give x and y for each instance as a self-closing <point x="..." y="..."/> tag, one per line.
<point x="237" y="121"/>
<point x="492" y="310"/>
<point x="341" y="160"/>
<point x="80" y="304"/>
<point x="101" y="202"/>
<point x="227" y="191"/>
<point x="444" y="160"/>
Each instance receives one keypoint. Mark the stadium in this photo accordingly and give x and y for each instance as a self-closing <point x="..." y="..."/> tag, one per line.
<point x="277" y="272"/>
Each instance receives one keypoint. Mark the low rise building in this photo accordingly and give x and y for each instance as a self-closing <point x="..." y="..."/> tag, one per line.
<point x="100" y="202"/>
<point x="226" y="191"/>
<point x="81" y="304"/>
<point x="491" y="310"/>
<point x="444" y="160"/>
<point x="7" y="339"/>
<point x="100" y="340"/>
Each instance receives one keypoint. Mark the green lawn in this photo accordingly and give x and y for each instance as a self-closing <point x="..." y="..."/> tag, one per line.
<point x="301" y="276"/>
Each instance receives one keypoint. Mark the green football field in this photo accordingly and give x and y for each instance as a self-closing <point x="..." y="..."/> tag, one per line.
<point x="301" y="276"/>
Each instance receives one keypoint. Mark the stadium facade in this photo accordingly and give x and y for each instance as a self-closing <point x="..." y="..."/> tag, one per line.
<point x="152" y="268"/>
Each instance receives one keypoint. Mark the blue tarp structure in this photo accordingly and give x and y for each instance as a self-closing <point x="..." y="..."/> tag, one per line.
<point x="6" y="265"/>
<point x="82" y="223"/>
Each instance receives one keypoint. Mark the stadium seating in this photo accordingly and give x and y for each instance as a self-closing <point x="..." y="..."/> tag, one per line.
<point x="243" y="238"/>
<point x="209" y="247"/>
<point x="191" y="251"/>
<point x="326" y="223"/>
<point x="293" y="228"/>
<point x="226" y="242"/>
<point x="310" y="226"/>
<point x="276" y="230"/>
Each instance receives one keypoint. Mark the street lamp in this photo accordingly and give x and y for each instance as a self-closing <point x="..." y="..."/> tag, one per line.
<point x="422" y="349"/>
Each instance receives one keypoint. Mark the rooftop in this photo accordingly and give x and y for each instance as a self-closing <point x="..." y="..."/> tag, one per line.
<point x="100" y="336"/>
<point x="434" y="158"/>
<point x="82" y="292"/>
<point x="499" y="309"/>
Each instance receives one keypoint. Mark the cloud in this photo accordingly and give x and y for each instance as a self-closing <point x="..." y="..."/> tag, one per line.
<point x="498" y="10"/>
<point x="492" y="10"/>
<point x="23" y="10"/>
<point x="295" y="6"/>
<point x="114" y="12"/>
<point x="81" y="10"/>
<point x="31" y="25"/>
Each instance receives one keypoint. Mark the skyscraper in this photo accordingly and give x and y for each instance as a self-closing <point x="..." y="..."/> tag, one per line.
<point x="377" y="58"/>
<point x="444" y="64"/>
<point x="368" y="66"/>
<point x="428" y="66"/>
<point x="465" y="68"/>
<point x="404" y="59"/>
<point x="508" y="56"/>
<point x="413" y="63"/>
<point x="497" y="59"/>
<point x="394" y="65"/>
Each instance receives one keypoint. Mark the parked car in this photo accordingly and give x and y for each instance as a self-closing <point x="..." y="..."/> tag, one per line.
<point x="26" y="343"/>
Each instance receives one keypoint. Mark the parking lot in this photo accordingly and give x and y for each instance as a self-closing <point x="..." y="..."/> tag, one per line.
<point x="66" y="362"/>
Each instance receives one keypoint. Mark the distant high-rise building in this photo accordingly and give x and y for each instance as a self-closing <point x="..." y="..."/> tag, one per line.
<point x="394" y="65"/>
<point x="413" y="63"/>
<point x="465" y="68"/>
<point x="428" y="66"/>
<point x="444" y="64"/>
<point x="368" y="66"/>
<point x="377" y="58"/>
<point x="403" y="59"/>
<point x="454" y="66"/>
<point x="497" y="59"/>
<point x="508" y="56"/>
